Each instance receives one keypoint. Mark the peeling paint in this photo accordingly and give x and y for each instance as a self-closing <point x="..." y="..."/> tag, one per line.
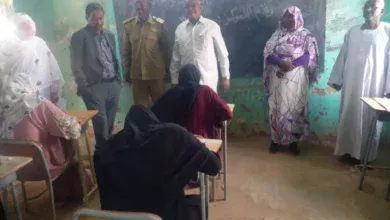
<point x="319" y="92"/>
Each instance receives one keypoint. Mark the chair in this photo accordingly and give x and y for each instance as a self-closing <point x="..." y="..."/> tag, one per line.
<point x="33" y="150"/>
<point x="90" y="214"/>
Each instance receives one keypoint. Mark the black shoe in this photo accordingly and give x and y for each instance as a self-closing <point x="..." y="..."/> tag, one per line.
<point x="295" y="149"/>
<point x="273" y="148"/>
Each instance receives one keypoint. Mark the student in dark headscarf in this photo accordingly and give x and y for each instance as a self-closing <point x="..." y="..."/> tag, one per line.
<point x="145" y="167"/>
<point x="193" y="106"/>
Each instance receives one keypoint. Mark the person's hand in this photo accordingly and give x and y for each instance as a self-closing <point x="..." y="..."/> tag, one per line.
<point x="286" y="66"/>
<point x="280" y="74"/>
<point x="127" y="79"/>
<point x="54" y="98"/>
<point x="226" y="84"/>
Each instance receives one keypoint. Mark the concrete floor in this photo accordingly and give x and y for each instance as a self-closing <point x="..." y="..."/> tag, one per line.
<point x="313" y="186"/>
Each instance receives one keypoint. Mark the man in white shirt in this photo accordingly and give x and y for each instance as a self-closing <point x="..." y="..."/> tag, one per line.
<point x="199" y="41"/>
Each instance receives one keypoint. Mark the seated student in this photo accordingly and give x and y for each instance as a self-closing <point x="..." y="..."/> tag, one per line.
<point x="145" y="167"/>
<point x="193" y="106"/>
<point x="24" y="115"/>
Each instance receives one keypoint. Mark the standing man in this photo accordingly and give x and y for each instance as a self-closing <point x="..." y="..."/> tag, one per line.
<point x="199" y="41"/>
<point x="362" y="70"/>
<point x="95" y="68"/>
<point x="146" y="54"/>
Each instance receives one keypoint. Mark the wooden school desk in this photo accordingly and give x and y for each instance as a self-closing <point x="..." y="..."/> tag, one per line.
<point x="224" y="158"/>
<point x="8" y="168"/>
<point x="381" y="106"/>
<point x="213" y="145"/>
<point x="85" y="117"/>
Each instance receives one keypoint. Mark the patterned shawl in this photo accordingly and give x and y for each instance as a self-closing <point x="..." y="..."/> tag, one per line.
<point x="290" y="45"/>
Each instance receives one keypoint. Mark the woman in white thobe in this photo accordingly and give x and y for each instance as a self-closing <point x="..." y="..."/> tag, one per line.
<point x="361" y="70"/>
<point x="44" y="73"/>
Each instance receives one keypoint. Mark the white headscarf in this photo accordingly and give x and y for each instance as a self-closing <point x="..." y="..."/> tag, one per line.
<point x="44" y="72"/>
<point x="381" y="3"/>
<point x="18" y="96"/>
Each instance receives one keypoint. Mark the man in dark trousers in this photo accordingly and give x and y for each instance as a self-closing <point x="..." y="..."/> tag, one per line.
<point x="95" y="68"/>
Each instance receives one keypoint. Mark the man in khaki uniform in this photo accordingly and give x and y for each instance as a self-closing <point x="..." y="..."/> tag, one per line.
<point x="146" y="54"/>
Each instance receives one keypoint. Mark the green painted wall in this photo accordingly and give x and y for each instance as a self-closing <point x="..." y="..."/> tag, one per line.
<point x="251" y="113"/>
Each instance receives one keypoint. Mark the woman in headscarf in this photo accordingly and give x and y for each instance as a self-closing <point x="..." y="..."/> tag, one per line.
<point x="24" y="115"/>
<point x="44" y="72"/>
<point x="289" y="68"/>
<point x="145" y="167"/>
<point x="193" y="106"/>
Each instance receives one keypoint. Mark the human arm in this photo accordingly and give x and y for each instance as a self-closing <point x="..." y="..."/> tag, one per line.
<point x="57" y="122"/>
<point x="282" y="64"/>
<point x="387" y="81"/>
<point x="77" y="59"/>
<point x="212" y="165"/>
<point x="273" y="59"/>
<point x="166" y="46"/>
<point x="126" y="57"/>
<point x="221" y="111"/>
<point x="302" y="60"/>
<point x="56" y="78"/>
<point x="175" y="62"/>
<point x="55" y="91"/>
<point x="222" y="56"/>
<point x="336" y="77"/>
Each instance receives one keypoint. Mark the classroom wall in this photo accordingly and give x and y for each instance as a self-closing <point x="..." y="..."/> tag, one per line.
<point x="251" y="114"/>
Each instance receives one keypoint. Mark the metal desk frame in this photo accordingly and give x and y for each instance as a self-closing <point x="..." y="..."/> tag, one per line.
<point x="379" y="110"/>
<point x="224" y="142"/>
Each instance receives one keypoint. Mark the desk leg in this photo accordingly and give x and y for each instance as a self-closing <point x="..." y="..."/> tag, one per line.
<point x="213" y="189"/>
<point x="371" y="135"/>
<point x="203" y="195"/>
<point x="5" y="202"/>
<point x="90" y="158"/>
<point x="80" y="166"/>
<point x="16" y="202"/>
<point x="225" y="161"/>
<point x="207" y="189"/>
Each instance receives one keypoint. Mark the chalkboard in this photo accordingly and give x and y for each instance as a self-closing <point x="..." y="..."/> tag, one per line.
<point x="246" y="25"/>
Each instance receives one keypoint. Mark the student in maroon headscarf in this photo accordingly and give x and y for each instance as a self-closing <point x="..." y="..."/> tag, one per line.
<point x="193" y="106"/>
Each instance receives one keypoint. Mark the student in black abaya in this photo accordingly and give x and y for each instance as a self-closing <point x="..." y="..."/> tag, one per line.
<point x="145" y="167"/>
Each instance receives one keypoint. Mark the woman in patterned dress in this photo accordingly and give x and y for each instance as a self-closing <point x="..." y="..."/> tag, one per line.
<point x="25" y="115"/>
<point x="289" y="68"/>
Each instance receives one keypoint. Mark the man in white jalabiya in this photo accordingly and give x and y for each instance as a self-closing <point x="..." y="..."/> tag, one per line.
<point x="362" y="70"/>
<point x="44" y="73"/>
<point x="199" y="41"/>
